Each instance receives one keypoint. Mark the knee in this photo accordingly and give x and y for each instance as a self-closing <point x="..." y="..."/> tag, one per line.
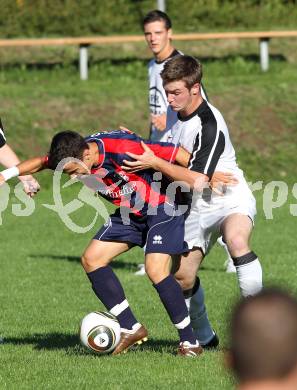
<point x="85" y="262"/>
<point x="90" y="263"/>
<point x="153" y="273"/>
<point x="185" y="281"/>
<point x="237" y="245"/>
<point x="157" y="270"/>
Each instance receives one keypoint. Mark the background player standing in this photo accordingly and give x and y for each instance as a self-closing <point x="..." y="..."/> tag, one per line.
<point x="157" y="28"/>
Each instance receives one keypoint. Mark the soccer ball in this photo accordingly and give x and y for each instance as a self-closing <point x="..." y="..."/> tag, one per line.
<point x="100" y="332"/>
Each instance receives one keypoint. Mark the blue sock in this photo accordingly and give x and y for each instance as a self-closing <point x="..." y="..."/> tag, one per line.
<point x="109" y="290"/>
<point x="173" y="300"/>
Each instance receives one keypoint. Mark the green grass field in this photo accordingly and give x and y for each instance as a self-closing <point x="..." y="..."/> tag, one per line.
<point x="44" y="292"/>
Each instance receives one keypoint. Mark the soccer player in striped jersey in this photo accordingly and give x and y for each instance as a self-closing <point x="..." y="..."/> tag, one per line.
<point x="152" y="221"/>
<point x="200" y="128"/>
<point x="8" y="159"/>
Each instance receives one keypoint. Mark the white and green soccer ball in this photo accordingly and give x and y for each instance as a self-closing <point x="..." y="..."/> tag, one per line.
<point x="100" y="332"/>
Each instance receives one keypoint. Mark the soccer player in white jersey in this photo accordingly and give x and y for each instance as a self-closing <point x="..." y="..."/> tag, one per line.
<point x="200" y="128"/>
<point x="9" y="159"/>
<point x="157" y="28"/>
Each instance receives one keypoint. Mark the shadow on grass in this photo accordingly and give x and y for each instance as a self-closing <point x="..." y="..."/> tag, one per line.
<point x="49" y="341"/>
<point x="120" y="263"/>
<point x="116" y="264"/>
<point x="128" y="60"/>
<point x="71" y="345"/>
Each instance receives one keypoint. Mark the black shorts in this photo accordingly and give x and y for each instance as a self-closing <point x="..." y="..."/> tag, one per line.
<point x="160" y="233"/>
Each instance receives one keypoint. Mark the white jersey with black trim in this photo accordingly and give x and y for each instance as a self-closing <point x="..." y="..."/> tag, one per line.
<point x="203" y="133"/>
<point x="2" y="136"/>
<point x="157" y="96"/>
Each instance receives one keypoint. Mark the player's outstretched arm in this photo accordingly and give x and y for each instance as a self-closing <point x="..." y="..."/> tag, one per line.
<point x="26" y="167"/>
<point x="218" y="181"/>
<point x="193" y="179"/>
<point x="32" y="165"/>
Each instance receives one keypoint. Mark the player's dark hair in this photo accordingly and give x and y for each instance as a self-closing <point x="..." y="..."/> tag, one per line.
<point x="157" y="16"/>
<point x="184" y="68"/>
<point x="66" y="144"/>
<point x="263" y="336"/>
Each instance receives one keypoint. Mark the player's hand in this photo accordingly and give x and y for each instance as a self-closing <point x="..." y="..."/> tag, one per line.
<point x="142" y="161"/>
<point x="31" y="185"/>
<point x="159" y="121"/>
<point x="220" y="181"/>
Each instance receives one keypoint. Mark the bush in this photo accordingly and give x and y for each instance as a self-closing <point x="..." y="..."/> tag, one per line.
<point x="43" y="18"/>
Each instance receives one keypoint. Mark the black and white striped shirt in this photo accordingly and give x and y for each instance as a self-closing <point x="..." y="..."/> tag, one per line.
<point x="157" y="96"/>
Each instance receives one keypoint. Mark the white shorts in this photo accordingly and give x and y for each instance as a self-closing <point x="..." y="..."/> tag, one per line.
<point x="207" y="213"/>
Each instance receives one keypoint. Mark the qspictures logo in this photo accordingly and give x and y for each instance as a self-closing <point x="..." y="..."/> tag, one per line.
<point x="274" y="195"/>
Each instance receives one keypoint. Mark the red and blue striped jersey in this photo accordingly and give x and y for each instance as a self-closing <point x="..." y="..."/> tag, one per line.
<point x="138" y="191"/>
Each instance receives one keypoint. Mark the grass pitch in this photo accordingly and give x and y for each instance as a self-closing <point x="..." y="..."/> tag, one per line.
<point x="44" y="294"/>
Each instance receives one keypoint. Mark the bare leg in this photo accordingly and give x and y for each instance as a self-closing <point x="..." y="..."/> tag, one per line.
<point x="237" y="229"/>
<point x="101" y="253"/>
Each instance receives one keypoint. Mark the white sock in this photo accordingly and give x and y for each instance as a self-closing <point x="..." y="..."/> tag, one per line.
<point x="250" y="278"/>
<point x="199" y="318"/>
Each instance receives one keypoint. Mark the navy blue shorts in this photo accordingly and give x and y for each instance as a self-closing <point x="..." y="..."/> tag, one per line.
<point x="160" y="233"/>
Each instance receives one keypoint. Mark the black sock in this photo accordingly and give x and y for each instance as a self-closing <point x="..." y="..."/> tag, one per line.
<point x="109" y="290"/>
<point x="173" y="300"/>
<point x="245" y="259"/>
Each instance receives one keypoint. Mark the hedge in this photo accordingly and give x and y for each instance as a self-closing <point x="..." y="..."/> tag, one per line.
<point x="45" y="18"/>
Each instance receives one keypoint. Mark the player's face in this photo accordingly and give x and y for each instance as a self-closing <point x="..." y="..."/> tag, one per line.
<point x="157" y="36"/>
<point x="179" y="97"/>
<point x="75" y="169"/>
